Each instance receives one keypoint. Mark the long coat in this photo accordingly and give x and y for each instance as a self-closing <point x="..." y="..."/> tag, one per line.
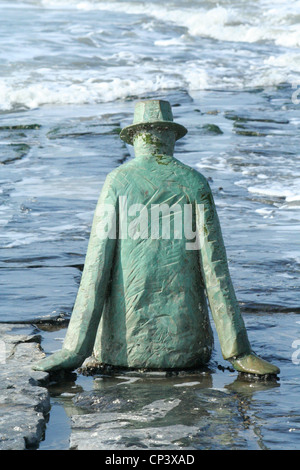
<point x="142" y="300"/>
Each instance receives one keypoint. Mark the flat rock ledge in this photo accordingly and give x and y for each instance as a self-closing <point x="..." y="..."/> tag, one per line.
<point x="24" y="398"/>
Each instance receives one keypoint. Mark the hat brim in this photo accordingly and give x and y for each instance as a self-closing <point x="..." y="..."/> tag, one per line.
<point x="128" y="133"/>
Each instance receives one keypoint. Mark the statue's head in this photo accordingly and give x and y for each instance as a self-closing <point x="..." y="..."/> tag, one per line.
<point x="153" y="118"/>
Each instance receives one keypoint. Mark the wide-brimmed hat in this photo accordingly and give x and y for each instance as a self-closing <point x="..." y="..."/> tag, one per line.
<point x="152" y="114"/>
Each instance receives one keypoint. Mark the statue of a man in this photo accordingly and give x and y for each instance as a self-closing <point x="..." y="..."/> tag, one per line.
<point x="155" y="250"/>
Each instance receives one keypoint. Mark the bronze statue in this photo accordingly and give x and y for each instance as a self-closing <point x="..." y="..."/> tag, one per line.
<point x="155" y="252"/>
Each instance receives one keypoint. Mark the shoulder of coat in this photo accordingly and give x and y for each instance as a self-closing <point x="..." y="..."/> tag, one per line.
<point x="194" y="176"/>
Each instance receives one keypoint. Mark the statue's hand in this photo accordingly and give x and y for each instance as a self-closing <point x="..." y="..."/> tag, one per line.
<point x="252" y="364"/>
<point x="64" y="359"/>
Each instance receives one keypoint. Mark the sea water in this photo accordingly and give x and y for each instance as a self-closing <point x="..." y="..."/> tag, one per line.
<point x="71" y="72"/>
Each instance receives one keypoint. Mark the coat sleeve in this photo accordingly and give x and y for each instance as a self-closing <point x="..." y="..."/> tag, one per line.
<point x="214" y="267"/>
<point x="96" y="274"/>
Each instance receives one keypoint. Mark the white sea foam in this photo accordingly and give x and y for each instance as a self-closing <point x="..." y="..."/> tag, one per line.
<point x="88" y="91"/>
<point x="169" y="42"/>
<point x="171" y="50"/>
<point x="266" y="213"/>
<point x="67" y="188"/>
<point x="290" y="60"/>
<point x="290" y="193"/>
<point x="21" y="239"/>
<point x="261" y="21"/>
<point x="293" y="198"/>
<point x="62" y="228"/>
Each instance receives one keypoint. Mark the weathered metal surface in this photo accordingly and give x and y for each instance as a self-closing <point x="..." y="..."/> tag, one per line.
<point x="141" y="301"/>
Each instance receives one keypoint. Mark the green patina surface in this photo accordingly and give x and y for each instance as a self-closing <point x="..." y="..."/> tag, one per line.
<point x="142" y="302"/>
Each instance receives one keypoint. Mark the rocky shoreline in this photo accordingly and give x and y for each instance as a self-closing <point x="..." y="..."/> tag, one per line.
<point x="108" y="409"/>
<point x="24" y="398"/>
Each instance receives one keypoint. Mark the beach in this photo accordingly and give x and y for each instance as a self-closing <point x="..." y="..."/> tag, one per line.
<point x="71" y="73"/>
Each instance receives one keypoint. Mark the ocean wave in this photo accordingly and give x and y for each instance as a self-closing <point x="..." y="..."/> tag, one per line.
<point x="87" y="62"/>
<point x="288" y="60"/>
<point x="251" y="22"/>
<point x="290" y="193"/>
<point x="87" y="92"/>
<point x="190" y="77"/>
